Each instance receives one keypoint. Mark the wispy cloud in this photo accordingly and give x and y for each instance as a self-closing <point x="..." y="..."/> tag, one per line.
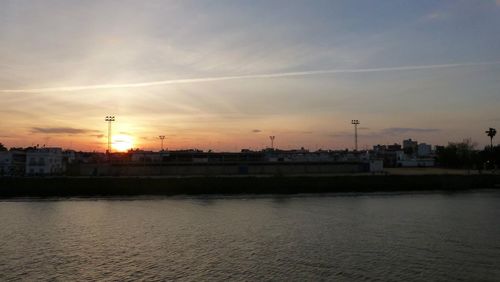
<point x="349" y="134"/>
<point x="61" y="130"/>
<point x="256" y="131"/>
<point x="404" y="130"/>
<point x="239" y="77"/>
<point x="385" y="132"/>
<point x="435" y="16"/>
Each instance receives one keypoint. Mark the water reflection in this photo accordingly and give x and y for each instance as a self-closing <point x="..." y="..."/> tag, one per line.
<point x="384" y="236"/>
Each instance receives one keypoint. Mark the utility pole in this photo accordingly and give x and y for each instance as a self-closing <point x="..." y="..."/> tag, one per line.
<point x="162" y="137"/>
<point x="272" y="141"/>
<point x="355" y="122"/>
<point x="109" y="119"/>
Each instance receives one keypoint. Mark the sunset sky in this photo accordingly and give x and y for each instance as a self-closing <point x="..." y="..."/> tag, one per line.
<point x="225" y="75"/>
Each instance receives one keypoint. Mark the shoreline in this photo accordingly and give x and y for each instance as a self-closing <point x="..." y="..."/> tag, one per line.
<point x="44" y="187"/>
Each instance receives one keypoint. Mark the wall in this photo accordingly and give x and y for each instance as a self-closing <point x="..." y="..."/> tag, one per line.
<point x="214" y="169"/>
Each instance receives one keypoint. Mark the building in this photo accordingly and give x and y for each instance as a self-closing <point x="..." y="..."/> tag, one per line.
<point x="424" y="150"/>
<point x="44" y="161"/>
<point x="390" y="154"/>
<point x="139" y="156"/>
<point x="12" y="163"/>
<point x="379" y="148"/>
<point x="416" y="163"/>
<point x="394" y="147"/>
<point x="410" y="147"/>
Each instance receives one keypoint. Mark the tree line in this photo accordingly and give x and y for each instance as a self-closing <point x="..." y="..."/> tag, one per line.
<point x="465" y="155"/>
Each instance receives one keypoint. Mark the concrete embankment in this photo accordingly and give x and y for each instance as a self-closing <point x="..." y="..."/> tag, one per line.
<point x="128" y="186"/>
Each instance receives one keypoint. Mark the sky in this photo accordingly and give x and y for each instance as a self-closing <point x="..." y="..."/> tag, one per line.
<point x="226" y="75"/>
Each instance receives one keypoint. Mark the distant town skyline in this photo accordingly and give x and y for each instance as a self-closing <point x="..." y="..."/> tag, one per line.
<point x="226" y="75"/>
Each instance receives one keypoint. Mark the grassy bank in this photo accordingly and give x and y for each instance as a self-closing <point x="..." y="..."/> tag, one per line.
<point x="89" y="187"/>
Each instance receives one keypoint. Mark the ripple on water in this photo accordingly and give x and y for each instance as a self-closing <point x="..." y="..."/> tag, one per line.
<point x="365" y="237"/>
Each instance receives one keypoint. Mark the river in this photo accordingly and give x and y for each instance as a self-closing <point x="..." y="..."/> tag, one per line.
<point x="385" y="237"/>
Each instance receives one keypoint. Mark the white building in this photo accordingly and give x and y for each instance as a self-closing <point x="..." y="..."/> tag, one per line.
<point x="44" y="161"/>
<point x="12" y="163"/>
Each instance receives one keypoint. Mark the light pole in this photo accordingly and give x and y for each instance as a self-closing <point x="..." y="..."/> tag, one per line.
<point x="162" y="137"/>
<point x="491" y="133"/>
<point x="272" y="141"/>
<point x="355" y="122"/>
<point x="109" y="119"/>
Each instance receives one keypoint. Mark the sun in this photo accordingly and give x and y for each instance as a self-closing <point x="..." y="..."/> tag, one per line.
<point x="122" y="143"/>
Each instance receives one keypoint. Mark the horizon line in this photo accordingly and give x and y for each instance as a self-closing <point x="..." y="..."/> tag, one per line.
<point x="238" y="77"/>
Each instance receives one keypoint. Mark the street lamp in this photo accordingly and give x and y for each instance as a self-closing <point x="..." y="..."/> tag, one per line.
<point x="162" y="137"/>
<point x="109" y="119"/>
<point x="272" y="141"/>
<point x="355" y="122"/>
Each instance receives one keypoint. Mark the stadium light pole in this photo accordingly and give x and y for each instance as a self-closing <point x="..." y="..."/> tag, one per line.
<point x="162" y="137"/>
<point x="109" y="120"/>
<point x="355" y="122"/>
<point x="272" y="141"/>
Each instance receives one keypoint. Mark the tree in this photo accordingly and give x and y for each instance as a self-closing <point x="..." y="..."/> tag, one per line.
<point x="491" y="133"/>
<point x="2" y="147"/>
<point x="458" y="154"/>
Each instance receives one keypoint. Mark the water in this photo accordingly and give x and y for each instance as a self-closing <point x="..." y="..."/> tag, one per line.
<point x="385" y="237"/>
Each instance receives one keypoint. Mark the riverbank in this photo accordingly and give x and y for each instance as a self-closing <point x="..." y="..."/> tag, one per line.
<point x="132" y="186"/>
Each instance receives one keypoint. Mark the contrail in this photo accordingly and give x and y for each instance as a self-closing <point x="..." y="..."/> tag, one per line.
<point x="237" y="77"/>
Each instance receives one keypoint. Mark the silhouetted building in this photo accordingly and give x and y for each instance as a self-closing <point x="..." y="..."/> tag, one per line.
<point x="410" y="147"/>
<point x="424" y="150"/>
<point x="379" y="148"/>
<point x="147" y="156"/>
<point x="12" y="163"/>
<point x="394" y="147"/>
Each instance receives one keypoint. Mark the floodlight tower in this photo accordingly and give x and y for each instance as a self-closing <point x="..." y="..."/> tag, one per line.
<point x="162" y="137"/>
<point x="109" y="119"/>
<point x="491" y="133"/>
<point x="272" y="141"/>
<point x="355" y="122"/>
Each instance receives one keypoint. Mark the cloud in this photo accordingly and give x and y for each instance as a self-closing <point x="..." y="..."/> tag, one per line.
<point x="61" y="130"/>
<point x="340" y="134"/>
<point x="350" y="134"/>
<point x="98" y="135"/>
<point x="435" y="16"/>
<point x="405" y="130"/>
<point x="256" y="131"/>
<point x="383" y="132"/>
<point x="240" y="77"/>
